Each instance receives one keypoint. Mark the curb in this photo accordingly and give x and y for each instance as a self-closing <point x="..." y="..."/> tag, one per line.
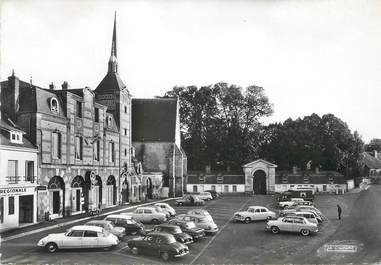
<point x="79" y="220"/>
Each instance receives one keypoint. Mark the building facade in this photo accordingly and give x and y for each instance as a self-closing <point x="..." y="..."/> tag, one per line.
<point x="18" y="170"/>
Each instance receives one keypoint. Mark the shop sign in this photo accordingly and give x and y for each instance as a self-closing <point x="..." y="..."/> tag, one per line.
<point x="15" y="191"/>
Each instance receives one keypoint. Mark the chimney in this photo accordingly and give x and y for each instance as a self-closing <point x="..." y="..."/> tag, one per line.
<point x="294" y="169"/>
<point x="10" y="97"/>
<point x="52" y="86"/>
<point x="208" y="169"/>
<point x="317" y="170"/>
<point x="228" y="169"/>
<point x="65" y="85"/>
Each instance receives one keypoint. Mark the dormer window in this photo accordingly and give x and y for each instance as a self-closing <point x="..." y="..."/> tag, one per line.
<point x="201" y="179"/>
<point x="109" y="121"/>
<point x="284" y="179"/>
<point x="220" y="179"/>
<point x="330" y="179"/>
<point x="306" y="179"/>
<point x="54" y="105"/>
<point x="16" y="137"/>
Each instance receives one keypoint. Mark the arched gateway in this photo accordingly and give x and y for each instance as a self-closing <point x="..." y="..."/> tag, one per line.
<point x="259" y="182"/>
<point x="259" y="177"/>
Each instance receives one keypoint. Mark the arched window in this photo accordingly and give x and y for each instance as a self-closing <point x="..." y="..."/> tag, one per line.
<point x="109" y="121"/>
<point x="54" y="105"/>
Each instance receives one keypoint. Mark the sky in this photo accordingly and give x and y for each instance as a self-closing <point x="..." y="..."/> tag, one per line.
<point x="309" y="56"/>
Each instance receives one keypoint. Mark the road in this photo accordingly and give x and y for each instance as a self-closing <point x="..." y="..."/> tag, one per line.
<point x="244" y="243"/>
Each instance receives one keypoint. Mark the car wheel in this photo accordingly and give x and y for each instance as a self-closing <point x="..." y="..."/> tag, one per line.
<point x="135" y="251"/>
<point x="155" y="221"/>
<point x="275" y="229"/>
<point x="247" y="220"/>
<point x="51" y="247"/>
<point x="164" y="256"/>
<point x="305" y="232"/>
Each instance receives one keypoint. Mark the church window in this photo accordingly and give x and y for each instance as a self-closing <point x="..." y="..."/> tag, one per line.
<point x="79" y="109"/>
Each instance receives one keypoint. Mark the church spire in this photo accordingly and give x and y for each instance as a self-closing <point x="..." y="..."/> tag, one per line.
<point x="113" y="61"/>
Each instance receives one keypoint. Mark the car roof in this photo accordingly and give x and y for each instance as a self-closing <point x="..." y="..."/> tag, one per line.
<point x="87" y="227"/>
<point x="146" y="207"/>
<point x="123" y="216"/>
<point x="256" y="206"/>
<point x="305" y="212"/>
<point x="295" y="217"/>
<point x="199" y="210"/>
<point x="159" y="234"/>
<point x="167" y="225"/>
<point x="99" y="222"/>
<point x="161" y="203"/>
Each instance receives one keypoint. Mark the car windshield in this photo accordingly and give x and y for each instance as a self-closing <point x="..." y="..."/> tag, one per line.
<point x="169" y="239"/>
<point x="176" y="230"/>
<point x="190" y="225"/>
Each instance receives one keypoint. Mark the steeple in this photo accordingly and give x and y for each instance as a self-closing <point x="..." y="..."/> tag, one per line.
<point x="113" y="61"/>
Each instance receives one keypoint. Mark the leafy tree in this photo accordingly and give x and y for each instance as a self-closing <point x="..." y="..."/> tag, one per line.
<point x="373" y="145"/>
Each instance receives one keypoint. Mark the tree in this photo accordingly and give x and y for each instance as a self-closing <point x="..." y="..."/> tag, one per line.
<point x="373" y="145"/>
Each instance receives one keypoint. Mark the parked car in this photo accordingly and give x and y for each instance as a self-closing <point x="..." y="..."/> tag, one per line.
<point x="308" y="215"/>
<point x="308" y="203"/>
<point x="147" y="215"/>
<point x="176" y="231"/>
<point x="120" y="232"/>
<point x="190" y="228"/>
<point x="254" y="213"/>
<point x="166" y="207"/>
<point x="201" y="221"/>
<point x="292" y="224"/>
<point x="161" y="210"/>
<point x="287" y="204"/>
<point x="82" y="236"/>
<point x="307" y="207"/>
<point x="204" y="195"/>
<point x="214" y="194"/>
<point x="161" y="244"/>
<point x="200" y="212"/>
<point x="190" y="200"/>
<point x="297" y="209"/>
<point x="132" y="226"/>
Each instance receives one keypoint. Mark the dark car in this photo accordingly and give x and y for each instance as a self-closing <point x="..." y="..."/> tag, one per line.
<point x="190" y="228"/>
<point x="176" y="231"/>
<point x="132" y="226"/>
<point x="189" y="200"/>
<point x="214" y="194"/>
<point x="160" y="244"/>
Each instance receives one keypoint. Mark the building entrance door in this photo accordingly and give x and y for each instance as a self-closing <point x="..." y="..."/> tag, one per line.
<point x="56" y="201"/>
<point x="26" y="209"/>
<point x="259" y="182"/>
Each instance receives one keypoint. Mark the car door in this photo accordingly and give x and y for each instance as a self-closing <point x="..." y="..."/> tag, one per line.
<point x="90" y="239"/>
<point x="73" y="239"/>
<point x="257" y="214"/>
<point x="298" y="225"/>
<point x="146" y="244"/>
<point x="148" y="215"/>
<point x="139" y="215"/>
<point x="286" y="224"/>
<point x="264" y="214"/>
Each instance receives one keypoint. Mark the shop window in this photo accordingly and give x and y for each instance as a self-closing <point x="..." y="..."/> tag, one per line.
<point x="194" y="188"/>
<point x="11" y="205"/>
<point x="78" y="147"/>
<point x="56" y="145"/>
<point x="96" y="115"/>
<point x="79" y="109"/>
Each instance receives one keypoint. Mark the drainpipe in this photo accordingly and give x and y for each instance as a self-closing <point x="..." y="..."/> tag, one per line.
<point x="174" y="171"/>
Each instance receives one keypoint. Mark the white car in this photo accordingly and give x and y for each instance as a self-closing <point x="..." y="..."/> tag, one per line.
<point x="308" y="215"/>
<point x="201" y="213"/>
<point x="81" y="236"/>
<point x="203" y="222"/>
<point x="296" y="224"/>
<point x="206" y="196"/>
<point x="292" y="202"/>
<point x="254" y="213"/>
<point x="166" y="207"/>
<point x="147" y="215"/>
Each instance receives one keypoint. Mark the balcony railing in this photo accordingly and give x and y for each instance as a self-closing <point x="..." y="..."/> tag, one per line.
<point x="20" y="179"/>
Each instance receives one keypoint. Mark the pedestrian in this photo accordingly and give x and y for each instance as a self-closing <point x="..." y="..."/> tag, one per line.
<point x="339" y="211"/>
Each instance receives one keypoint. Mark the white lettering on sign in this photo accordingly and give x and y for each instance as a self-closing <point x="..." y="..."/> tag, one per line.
<point x="14" y="191"/>
<point x="341" y="248"/>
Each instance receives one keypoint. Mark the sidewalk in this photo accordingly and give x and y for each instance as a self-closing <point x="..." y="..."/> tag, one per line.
<point x="47" y="225"/>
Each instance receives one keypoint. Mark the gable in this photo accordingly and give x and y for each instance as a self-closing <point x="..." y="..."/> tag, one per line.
<point x="259" y="163"/>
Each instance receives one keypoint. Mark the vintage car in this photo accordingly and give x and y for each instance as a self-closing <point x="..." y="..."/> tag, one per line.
<point x="190" y="228"/>
<point x="120" y="232"/>
<point x="82" y="236"/>
<point x="296" y="224"/>
<point x="214" y="194"/>
<point x="204" y="195"/>
<point x="190" y="200"/>
<point x="161" y="210"/>
<point x="147" y="215"/>
<point x="176" y="231"/>
<point x="201" y="221"/>
<point x="166" y="207"/>
<point x="160" y="244"/>
<point x="290" y="211"/>
<point x="254" y="213"/>
<point x="291" y="202"/>
<point x="132" y="226"/>
<point x="308" y="208"/>
<point x="200" y="212"/>
<point x="308" y="215"/>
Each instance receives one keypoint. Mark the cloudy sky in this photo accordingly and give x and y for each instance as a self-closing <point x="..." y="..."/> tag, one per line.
<point x="310" y="56"/>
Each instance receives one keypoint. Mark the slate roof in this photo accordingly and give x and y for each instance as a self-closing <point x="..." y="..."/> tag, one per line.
<point x="5" y="128"/>
<point x="370" y="161"/>
<point x="212" y="179"/>
<point x="111" y="81"/>
<point x="154" y="120"/>
<point x="323" y="177"/>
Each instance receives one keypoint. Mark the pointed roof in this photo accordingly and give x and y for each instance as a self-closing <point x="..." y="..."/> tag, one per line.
<point x="370" y="161"/>
<point x="112" y="80"/>
<point x="260" y="161"/>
